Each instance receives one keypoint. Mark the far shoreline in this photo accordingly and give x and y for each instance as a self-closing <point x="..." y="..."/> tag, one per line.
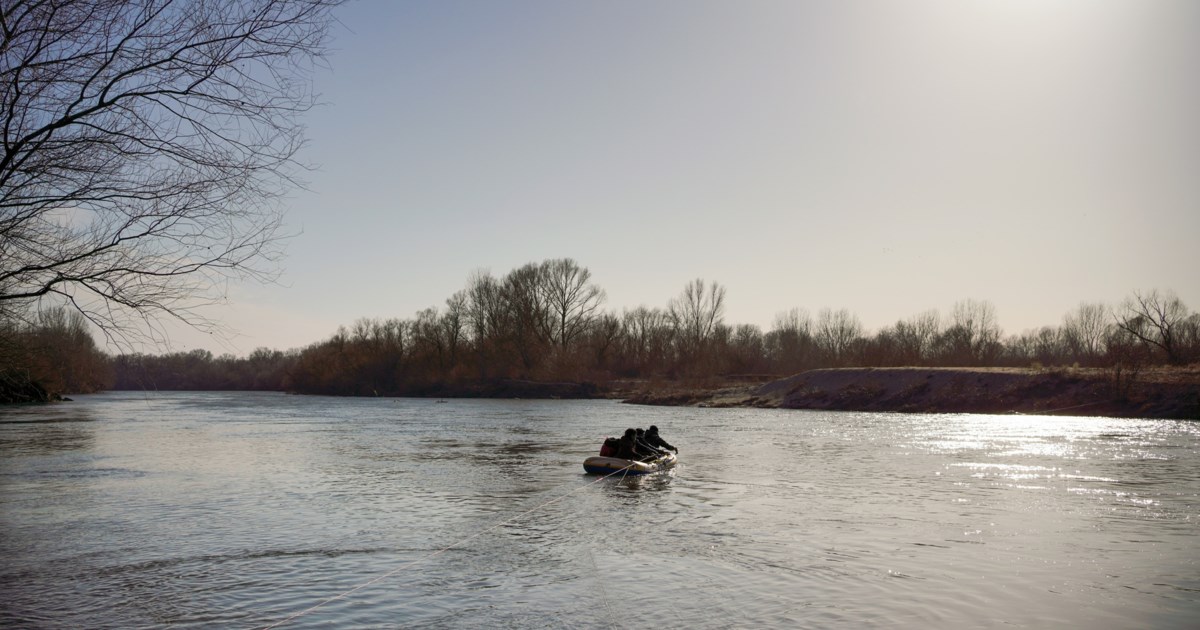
<point x="1149" y="393"/>
<point x="1158" y="393"/>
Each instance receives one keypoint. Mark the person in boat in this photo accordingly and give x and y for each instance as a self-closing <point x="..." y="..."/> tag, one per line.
<point x="646" y="447"/>
<point x="627" y="446"/>
<point x="654" y="439"/>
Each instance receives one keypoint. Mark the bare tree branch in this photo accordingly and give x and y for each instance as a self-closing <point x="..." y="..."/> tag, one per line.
<point x="1154" y="319"/>
<point x="146" y="147"/>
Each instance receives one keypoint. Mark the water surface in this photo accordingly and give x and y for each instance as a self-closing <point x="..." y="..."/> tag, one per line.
<point x="242" y="510"/>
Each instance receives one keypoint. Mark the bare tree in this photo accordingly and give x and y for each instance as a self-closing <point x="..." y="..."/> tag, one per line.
<point x="747" y="349"/>
<point x="835" y="333"/>
<point x="795" y="321"/>
<point x="1154" y="319"/>
<point x="454" y="324"/>
<point x="523" y="296"/>
<point x="915" y="337"/>
<point x="973" y="337"/>
<point x="429" y="340"/>
<point x="1189" y="338"/>
<point x="647" y="337"/>
<point x="696" y="314"/>
<point x="146" y="147"/>
<point x="571" y="300"/>
<point x="1084" y="331"/>
<point x="486" y="314"/>
<point x="790" y="341"/>
<point x="602" y="336"/>
<point x="1045" y="346"/>
<point x="56" y="351"/>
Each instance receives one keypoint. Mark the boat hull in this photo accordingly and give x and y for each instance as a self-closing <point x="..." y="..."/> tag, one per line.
<point x="599" y="465"/>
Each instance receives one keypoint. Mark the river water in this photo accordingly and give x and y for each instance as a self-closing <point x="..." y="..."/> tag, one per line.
<point x="235" y="510"/>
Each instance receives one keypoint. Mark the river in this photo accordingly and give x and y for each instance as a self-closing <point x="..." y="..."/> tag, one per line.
<point x="253" y="510"/>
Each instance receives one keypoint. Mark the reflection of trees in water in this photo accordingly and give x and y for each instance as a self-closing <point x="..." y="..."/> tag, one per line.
<point x="44" y="437"/>
<point x="42" y="429"/>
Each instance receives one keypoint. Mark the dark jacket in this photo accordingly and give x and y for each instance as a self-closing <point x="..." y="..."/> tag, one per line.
<point x="653" y="439"/>
<point x="627" y="447"/>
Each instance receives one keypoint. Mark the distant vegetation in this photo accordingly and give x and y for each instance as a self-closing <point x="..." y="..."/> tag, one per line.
<point x="48" y="355"/>
<point x="545" y="322"/>
<point x="145" y="149"/>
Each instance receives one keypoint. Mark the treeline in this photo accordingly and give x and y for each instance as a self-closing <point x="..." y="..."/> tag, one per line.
<point x="48" y="354"/>
<point x="545" y="323"/>
<point x="263" y="370"/>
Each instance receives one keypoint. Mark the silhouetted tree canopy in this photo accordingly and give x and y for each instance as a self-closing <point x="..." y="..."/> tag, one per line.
<point x="503" y="336"/>
<point x="145" y="146"/>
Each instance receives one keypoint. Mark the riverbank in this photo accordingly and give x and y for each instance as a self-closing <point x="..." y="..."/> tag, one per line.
<point x="1160" y="392"/>
<point x="19" y="388"/>
<point x="1152" y="393"/>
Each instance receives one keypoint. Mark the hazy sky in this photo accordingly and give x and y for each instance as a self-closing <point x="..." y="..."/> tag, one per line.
<point x="885" y="157"/>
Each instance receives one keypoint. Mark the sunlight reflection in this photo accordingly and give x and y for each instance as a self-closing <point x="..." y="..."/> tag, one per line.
<point x="1052" y="437"/>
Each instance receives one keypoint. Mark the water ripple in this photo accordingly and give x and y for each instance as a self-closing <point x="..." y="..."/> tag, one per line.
<point x="228" y="510"/>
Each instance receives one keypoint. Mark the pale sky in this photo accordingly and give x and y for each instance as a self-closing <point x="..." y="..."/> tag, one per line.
<point x="884" y="157"/>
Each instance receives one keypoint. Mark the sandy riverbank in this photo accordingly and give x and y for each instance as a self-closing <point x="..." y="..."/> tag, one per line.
<point x="1154" y="393"/>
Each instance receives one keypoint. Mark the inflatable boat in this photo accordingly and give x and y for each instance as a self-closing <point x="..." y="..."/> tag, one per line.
<point x="602" y="465"/>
